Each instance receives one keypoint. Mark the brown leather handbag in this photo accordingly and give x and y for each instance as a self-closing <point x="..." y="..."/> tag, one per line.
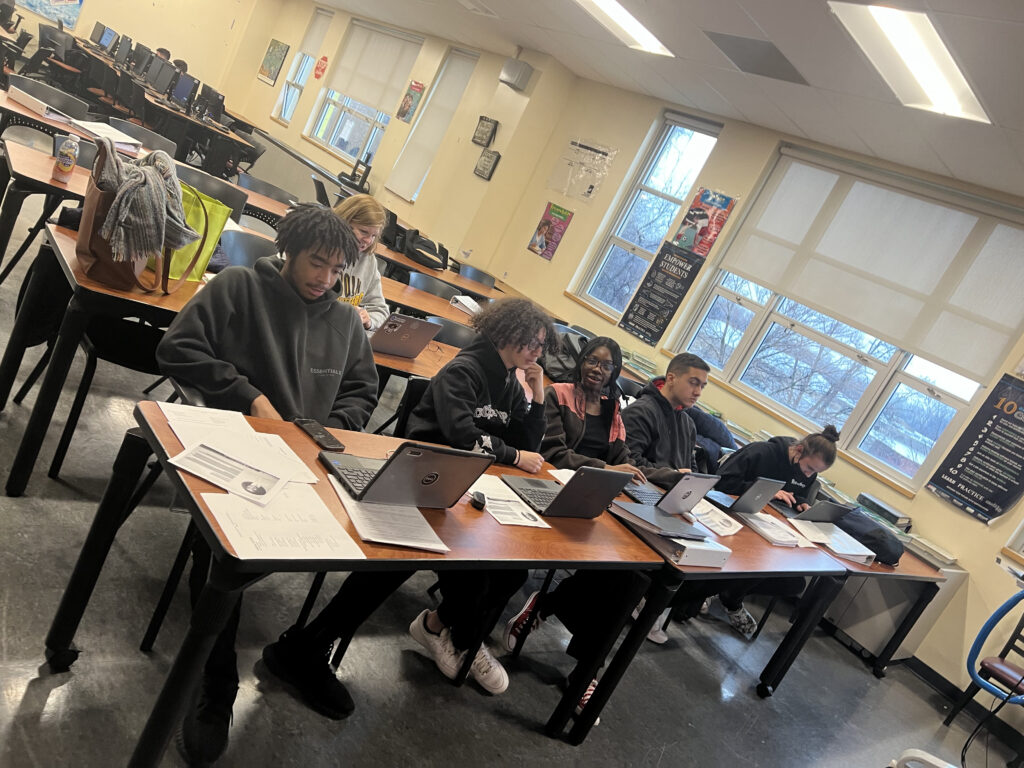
<point x="97" y="259"/>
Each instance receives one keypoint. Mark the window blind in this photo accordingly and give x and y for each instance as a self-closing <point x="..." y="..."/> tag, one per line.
<point x="932" y="277"/>
<point x="373" y="65"/>
<point x="316" y="32"/>
<point x="435" y="116"/>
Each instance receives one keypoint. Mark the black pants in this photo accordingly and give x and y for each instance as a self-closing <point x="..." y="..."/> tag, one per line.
<point x="359" y="596"/>
<point x="222" y="664"/>
<point x="732" y="591"/>
<point x="472" y="601"/>
<point x="588" y="603"/>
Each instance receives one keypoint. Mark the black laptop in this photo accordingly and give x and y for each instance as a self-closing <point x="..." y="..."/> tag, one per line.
<point x="587" y="494"/>
<point x="822" y="511"/>
<point x="414" y="475"/>
<point x="753" y="499"/>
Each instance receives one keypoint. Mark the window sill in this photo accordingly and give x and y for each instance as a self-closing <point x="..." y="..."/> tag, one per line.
<point x="330" y="151"/>
<point x="281" y="121"/>
<point x="586" y="304"/>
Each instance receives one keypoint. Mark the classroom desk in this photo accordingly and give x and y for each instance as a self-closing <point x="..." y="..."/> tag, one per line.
<point x="13" y="113"/>
<point x="475" y="538"/>
<point x="403" y="295"/>
<point x="472" y="287"/>
<point x="180" y="126"/>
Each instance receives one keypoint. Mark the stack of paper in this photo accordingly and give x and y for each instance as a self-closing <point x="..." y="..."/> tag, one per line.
<point x="400" y="525"/>
<point x="770" y="528"/>
<point x="838" y="541"/>
<point x="122" y="141"/>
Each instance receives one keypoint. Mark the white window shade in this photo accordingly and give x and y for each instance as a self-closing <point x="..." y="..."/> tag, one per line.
<point x="435" y="116"/>
<point x="316" y="31"/>
<point x="373" y="66"/>
<point x="933" y="278"/>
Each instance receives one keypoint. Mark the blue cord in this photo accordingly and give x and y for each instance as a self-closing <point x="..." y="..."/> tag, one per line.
<point x="972" y="657"/>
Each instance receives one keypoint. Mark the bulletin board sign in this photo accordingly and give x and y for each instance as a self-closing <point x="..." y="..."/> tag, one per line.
<point x="65" y="11"/>
<point x="669" y="277"/>
<point x="983" y="474"/>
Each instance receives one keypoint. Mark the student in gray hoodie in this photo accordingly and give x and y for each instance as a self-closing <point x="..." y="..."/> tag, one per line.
<point x="360" y="280"/>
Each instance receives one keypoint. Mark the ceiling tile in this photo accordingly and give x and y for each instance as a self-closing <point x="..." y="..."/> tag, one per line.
<point x="1000" y="10"/>
<point x="815" y="115"/>
<point x="747" y="94"/>
<point x="974" y="152"/>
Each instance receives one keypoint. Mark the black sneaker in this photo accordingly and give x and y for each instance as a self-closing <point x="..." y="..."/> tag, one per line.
<point x="203" y="736"/>
<point x="307" y="669"/>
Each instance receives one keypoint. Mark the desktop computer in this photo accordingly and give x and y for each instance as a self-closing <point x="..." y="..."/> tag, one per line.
<point x="140" y="59"/>
<point x="184" y="91"/>
<point x="209" y="103"/>
<point x="124" y="48"/>
<point x="108" y="40"/>
<point x="97" y="33"/>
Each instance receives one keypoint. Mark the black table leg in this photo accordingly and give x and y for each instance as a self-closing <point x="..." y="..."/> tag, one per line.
<point x="820" y="594"/>
<point x="664" y="584"/>
<point x="9" y="211"/>
<point x="928" y="591"/>
<point x="129" y="466"/>
<point x="71" y="330"/>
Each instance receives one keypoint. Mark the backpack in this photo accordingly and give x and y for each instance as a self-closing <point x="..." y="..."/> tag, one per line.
<point x="560" y="365"/>
<point x="887" y="548"/>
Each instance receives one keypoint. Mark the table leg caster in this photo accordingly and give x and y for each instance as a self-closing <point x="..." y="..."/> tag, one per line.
<point x="878" y="672"/>
<point x="62" y="659"/>
<point x="764" y="690"/>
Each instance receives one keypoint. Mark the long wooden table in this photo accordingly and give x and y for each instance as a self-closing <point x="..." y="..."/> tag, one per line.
<point x="403" y="295"/>
<point x="475" y="540"/>
<point x="472" y="287"/>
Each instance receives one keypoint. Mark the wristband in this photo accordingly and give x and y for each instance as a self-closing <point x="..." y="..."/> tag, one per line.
<point x="516" y="462"/>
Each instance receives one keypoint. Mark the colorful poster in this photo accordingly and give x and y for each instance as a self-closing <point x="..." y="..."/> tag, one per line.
<point x="65" y="11"/>
<point x="983" y="474"/>
<point x="705" y="219"/>
<point x="666" y="282"/>
<point x="273" y="60"/>
<point x="549" y="232"/>
<point x="410" y="101"/>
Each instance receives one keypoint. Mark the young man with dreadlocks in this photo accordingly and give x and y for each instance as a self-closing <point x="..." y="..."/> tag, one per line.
<point x="273" y="342"/>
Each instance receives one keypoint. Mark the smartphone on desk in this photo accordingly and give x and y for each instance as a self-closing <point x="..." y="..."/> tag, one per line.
<point x="319" y="434"/>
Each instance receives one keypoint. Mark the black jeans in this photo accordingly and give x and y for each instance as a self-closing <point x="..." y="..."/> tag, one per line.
<point x="472" y="601"/>
<point x="732" y="591"/>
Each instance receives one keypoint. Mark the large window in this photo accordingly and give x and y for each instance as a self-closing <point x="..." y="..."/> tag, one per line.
<point x="646" y="216"/>
<point x="879" y="307"/>
<point x="364" y="87"/>
<point x="302" y="65"/>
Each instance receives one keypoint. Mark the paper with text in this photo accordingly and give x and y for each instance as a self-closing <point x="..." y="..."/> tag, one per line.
<point x="402" y="526"/>
<point x="503" y="504"/>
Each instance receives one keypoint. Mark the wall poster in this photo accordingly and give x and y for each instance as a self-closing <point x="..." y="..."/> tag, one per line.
<point x="66" y="11"/>
<point x="410" y="101"/>
<point x="273" y="60"/>
<point x="550" y="231"/>
<point x="983" y="474"/>
<point x="666" y="282"/>
<point x="703" y="221"/>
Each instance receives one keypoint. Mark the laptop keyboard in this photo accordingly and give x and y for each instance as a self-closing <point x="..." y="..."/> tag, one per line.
<point x="539" y="498"/>
<point x="642" y="495"/>
<point x="358" y="478"/>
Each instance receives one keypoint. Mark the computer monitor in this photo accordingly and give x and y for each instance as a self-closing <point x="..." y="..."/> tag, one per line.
<point x="210" y="102"/>
<point x="184" y="91"/>
<point x="108" y="40"/>
<point x="162" y="82"/>
<point x="124" y="48"/>
<point x="156" y="66"/>
<point x="140" y="59"/>
<point x="97" y="33"/>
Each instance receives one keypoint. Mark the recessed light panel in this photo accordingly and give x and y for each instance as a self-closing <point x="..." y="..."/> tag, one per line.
<point x="624" y="26"/>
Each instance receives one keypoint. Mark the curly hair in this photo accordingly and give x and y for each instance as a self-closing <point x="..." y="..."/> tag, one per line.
<point x="362" y="211"/>
<point x="310" y="226"/>
<point x="515" y="323"/>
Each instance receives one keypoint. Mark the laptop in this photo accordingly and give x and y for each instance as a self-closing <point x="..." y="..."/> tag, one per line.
<point x="414" y="475"/>
<point x="820" y="512"/>
<point x="403" y="336"/>
<point x="587" y="494"/>
<point x="753" y="499"/>
<point x="682" y="497"/>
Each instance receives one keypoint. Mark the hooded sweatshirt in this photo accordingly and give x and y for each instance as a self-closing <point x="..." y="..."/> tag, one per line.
<point x="249" y="333"/>
<point x="360" y="287"/>
<point x="566" y="426"/>
<point x="477" y="404"/>
<point x="660" y="437"/>
<point x="765" y="459"/>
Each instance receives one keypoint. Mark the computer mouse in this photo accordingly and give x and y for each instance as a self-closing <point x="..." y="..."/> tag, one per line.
<point x="477" y="499"/>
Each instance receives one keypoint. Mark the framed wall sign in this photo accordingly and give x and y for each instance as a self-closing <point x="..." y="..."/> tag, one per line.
<point x="486" y="164"/>
<point x="485" y="130"/>
<point x="273" y="60"/>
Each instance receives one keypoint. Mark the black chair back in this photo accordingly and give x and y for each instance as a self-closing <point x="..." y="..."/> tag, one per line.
<point x="321" y="191"/>
<point x="54" y="97"/>
<point x="150" y="140"/>
<point x="250" y="156"/>
<point x="24" y="38"/>
<point x="35" y="63"/>
<point x="415" y="388"/>
<point x="86" y="150"/>
<point x="219" y="189"/>
<point x="244" y="248"/>
<point x="247" y="181"/>
<point x="629" y="387"/>
<point x="453" y="333"/>
<point x="478" y="275"/>
<point x="432" y="285"/>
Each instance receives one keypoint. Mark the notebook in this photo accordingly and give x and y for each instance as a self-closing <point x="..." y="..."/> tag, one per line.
<point x="586" y="495"/>
<point x="414" y="475"/>
<point x="753" y="499"/>
<point x="403" y="336"/>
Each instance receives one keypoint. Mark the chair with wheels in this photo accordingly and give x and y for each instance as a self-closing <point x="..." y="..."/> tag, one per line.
<point x="321" y="191"/>
<point x="356" y="179"/>
<point x="265" y="188"/>
<point x="431" y="284"/>
<point x="218" y="189"/>
<point x="250" y="156"/>
<point x="452" y="333"/>
<point x="472" y="273"/>
<point x="9" y="18"/>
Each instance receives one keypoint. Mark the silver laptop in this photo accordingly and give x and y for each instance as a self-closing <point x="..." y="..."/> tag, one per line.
<point x="587" y="494"/>
<point x="753" y="499"/>
<point x="680" y="499"/>
<point x="820" y="512"/>
<point x="403" y="336"/>
<point x="414" y="475"/>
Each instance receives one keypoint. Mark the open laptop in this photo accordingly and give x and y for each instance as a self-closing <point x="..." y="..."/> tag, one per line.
<point x="414" y="475"/>
<point x="680" y="499"/>
<point x="403" y="336"/>
<point x="821" y="511"/>
<point x="753" y="499"/>
<point x="587" y="494"/>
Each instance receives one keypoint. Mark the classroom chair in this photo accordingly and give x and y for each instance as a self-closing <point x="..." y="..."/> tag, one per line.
<point x="431" y="284"/>
<point x="472" y="273"/>
<point x="218" y="189"/>
<point x="250" y="156"/>
<point x="453" y="333"/>
<point x="321" y="191"/>
<point x="244" y="248"/>
<point x="150" y="139"/>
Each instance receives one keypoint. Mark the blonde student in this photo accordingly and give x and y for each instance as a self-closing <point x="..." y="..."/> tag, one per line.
<point x="360" y="282"/>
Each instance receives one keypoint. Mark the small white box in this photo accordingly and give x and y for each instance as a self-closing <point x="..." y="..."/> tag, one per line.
<point x="709" y="554"/>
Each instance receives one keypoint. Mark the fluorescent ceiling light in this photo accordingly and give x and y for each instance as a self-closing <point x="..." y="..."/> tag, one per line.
<point x="907" y="51"/>
<point x="624" y="26"/>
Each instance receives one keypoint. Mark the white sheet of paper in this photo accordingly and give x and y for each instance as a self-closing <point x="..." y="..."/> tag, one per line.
<point x="562" y="475"/>
<point x="296" y="525"/>
<point x="252" y="483"/>
<point x="504" y="505"/>
<point x="300" y="473"/>
<point x="402" y="526"/>
<point x="191" y="424"/>
<point x="715" y="519"/>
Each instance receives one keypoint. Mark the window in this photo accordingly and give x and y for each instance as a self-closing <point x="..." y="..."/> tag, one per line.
<point x="435" y="116"/>
<point x="644" y="220"/>
<point x="365" y="86"/>
<point x="832" y="296"/>
<point x="302" y="65"/>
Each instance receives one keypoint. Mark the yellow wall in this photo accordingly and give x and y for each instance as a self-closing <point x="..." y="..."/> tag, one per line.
<point x="225" y="41"/>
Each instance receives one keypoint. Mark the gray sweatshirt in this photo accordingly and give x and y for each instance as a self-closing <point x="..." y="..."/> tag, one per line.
<point x="249" y="333"/>
<point x="360" y="287"/>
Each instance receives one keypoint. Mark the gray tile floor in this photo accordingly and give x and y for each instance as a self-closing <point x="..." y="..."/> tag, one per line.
<point x="688" y="703"/>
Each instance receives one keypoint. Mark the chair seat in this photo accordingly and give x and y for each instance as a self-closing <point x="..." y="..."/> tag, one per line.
<point x="1006" y="672"/>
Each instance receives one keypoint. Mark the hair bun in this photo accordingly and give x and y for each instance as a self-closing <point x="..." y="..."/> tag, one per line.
<point x="830" y="433"/>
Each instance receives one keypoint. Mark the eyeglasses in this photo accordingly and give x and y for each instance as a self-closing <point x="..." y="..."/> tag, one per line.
<point x="605" y="365"/>
<point x="535" y="346"/>
<point x="366" y="232"/>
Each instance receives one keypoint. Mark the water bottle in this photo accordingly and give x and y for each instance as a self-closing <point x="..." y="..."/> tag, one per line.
<point x="67" y="157"/>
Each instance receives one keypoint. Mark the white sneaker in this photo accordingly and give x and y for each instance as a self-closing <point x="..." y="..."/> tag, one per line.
<point x="488" y="672"/>
<point x="657" y="634"/>
<point x="440" y="647"/>
<point x="639" y="607"/>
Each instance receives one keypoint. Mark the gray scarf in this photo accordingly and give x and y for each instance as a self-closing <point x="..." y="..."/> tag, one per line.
<point x="146" y="216"/>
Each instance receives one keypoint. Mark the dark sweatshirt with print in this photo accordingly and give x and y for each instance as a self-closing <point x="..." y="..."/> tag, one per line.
<point x="249" y="333"/>
<point x="769" y="458"/>
<point x="660" y="437"/>
<point x="477" y="404"/>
